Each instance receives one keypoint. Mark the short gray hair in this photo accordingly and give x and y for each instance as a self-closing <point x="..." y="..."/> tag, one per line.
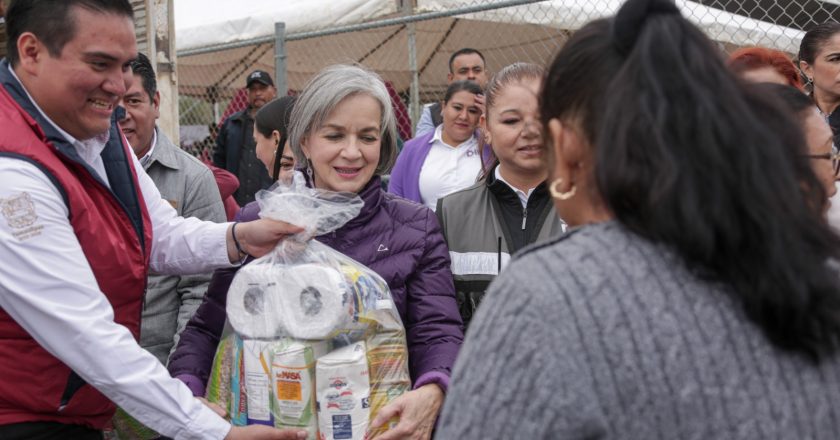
<point x="323" y="94"/>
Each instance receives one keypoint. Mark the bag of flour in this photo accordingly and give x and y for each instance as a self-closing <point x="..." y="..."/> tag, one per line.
<point x="343" y="384"/>
<point x="293" y="383"/>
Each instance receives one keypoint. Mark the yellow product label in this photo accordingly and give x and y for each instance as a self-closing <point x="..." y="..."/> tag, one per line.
<point x="288" y="390"/>
<point x="387" y="362"/>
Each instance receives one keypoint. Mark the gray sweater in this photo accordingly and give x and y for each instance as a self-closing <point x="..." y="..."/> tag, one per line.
<point x="604" y="335"/>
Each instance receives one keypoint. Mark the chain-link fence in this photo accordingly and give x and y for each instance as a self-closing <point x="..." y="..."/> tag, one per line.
<point x="409" y="45"/>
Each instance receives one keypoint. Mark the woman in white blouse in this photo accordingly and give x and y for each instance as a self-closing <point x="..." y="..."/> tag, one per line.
<point x="445" y="160"/>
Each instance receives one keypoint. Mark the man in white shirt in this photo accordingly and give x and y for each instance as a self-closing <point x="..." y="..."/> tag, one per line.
<point x="80" y="226"/>
<point x="464" y="64"/>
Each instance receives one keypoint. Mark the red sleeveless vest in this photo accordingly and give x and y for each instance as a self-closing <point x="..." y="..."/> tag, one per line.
<point x="34" y="385"/>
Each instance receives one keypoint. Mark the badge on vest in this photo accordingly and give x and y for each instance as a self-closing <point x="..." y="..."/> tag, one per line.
<point x="19" y="212"/>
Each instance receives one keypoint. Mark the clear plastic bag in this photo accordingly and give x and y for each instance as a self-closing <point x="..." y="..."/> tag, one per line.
<point x="320" y="329"/>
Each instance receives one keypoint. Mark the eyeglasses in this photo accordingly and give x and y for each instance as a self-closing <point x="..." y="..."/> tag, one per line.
<point x="834" y="157"/>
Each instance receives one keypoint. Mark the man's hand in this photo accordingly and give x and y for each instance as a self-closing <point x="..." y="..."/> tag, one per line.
<point x="262" y="432"/>
<point x="258" y="237"/>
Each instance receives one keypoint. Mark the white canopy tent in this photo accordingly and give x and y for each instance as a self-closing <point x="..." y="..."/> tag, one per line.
<point x="530" y="32"/>
<point x="207" y="23"/>
<point x="203" y="23"/>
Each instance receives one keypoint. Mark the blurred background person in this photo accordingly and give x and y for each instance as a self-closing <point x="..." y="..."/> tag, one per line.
<point x="697" y="294"/>
<point x="228" y="184"/>
<point x="235" y="148"/>
<point x="343" y="135"/>
<point x="188" y="186"/>
<point x="446" y="159"/>
<point x="759" y="64"/>
<point x="819" y="59"/>
<point x="466" y="64"/>
<point x="271" y="135"/>
<point x="510" y="206"/>
<point x="819" y="140"/>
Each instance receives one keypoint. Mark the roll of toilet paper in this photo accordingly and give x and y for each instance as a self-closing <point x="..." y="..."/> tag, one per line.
<point x="250" y="307"/>
<point x="307" y="301"/>
<point x="314" y="301"/>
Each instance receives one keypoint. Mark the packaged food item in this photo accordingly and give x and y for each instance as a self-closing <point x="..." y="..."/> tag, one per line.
<point x="257" y="383"/>
<point x="343" y="384"/>
<point x="293" y="391"/>
<point x="389" y="379"/>
<point x="238" y="411"/>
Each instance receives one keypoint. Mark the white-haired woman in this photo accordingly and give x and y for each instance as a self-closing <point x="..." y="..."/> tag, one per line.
<point x="343" y="133"/>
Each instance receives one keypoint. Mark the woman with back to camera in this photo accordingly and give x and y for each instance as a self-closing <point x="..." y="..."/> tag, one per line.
<point x="447" y="159"/>
<point x="343" y="134"/>
<point x="509" y="207"/>
<point x="819" y="59"/>
<point x="697" y="295"/>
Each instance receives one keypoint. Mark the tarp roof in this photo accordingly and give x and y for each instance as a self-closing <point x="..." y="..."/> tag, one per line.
<point x="522" y="33"/>
<point x="202" y="23"/>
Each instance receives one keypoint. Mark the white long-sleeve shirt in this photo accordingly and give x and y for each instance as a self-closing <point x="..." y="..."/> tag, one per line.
<point x="48" y="288"/>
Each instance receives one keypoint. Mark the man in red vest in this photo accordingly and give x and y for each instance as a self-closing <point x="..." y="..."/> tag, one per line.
<point x="81" y="224"/>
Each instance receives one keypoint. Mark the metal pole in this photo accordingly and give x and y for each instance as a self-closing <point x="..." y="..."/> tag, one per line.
<point x="414" y="110"/>
<point x="280" y="58"/>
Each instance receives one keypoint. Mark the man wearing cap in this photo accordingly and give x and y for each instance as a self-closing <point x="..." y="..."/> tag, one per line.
<point x="235" y="146"/>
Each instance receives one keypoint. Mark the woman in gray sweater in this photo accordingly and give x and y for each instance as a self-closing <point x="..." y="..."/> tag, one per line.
<point x="693" y="299"/>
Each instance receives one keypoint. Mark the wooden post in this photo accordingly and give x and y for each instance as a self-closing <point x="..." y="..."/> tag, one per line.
<point x="154" y="23"/>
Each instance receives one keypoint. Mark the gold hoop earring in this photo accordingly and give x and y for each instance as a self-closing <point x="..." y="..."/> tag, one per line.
<point x="561" y="195"/>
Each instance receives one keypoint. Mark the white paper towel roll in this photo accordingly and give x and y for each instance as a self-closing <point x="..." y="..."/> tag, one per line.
<point x="307" y="301"/>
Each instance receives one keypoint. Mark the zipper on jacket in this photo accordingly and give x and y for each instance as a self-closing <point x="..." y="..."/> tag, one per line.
<point x="499" y="257"/>
<point x="524" y="217"/>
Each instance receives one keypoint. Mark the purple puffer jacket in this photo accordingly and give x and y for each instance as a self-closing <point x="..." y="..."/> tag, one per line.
<point x="399" y="240"/>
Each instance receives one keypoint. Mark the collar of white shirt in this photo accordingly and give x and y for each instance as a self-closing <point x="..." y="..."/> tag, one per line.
<point x="523" y="196"/>
<point x="147" y="158"/>
<point x="438" y="139"/>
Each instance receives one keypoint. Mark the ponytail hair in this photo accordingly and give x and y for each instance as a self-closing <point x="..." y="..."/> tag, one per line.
<point x="814" y="40"/>
<point x="688" y="156"/>
<point x="275" y="115"/>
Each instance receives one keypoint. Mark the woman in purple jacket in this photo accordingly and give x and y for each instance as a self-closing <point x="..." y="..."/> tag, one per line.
<point x="343" y="132"/>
